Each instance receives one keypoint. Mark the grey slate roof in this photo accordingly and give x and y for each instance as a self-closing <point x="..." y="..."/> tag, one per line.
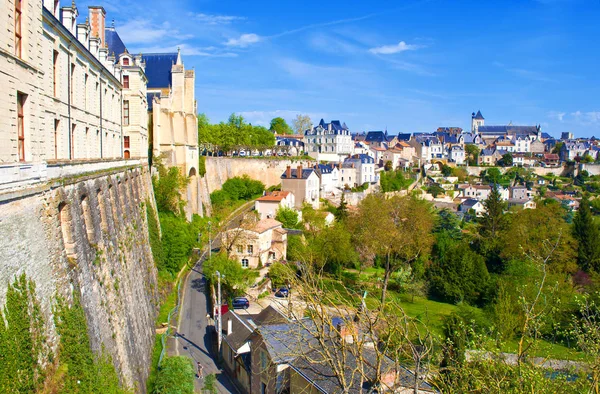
<point x="478" y="116"/>
<point x="470" y="202"/>
<point x="294" y="174"/>
<point x="508" y="129"/>
<point x="403" y="136"/>
<point x="240" y="330"/>
<point x="114" y="42"/>
<point x="375" y="136"/>
<point x="270" y="315"/>
<point x="158" y="69"/>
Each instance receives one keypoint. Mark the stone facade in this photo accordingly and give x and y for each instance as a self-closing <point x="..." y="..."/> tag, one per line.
<point x="89" y="238"/>
<point x="61" y="96"/>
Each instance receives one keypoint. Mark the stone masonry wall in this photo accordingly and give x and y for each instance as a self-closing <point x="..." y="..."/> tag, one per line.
<point x="89" y="237"/>
<point x="220" y="169"/>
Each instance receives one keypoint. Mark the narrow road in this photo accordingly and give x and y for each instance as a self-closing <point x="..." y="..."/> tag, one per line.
<point x="196" y="337"/>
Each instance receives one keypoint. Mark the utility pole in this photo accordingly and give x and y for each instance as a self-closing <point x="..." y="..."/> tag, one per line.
<point x="219" y="309"/>
<point x="209" y="242"/>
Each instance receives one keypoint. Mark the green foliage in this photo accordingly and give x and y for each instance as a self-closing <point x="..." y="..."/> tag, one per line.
<point x="448" y="222"/>
<point x="492" y="175"/>
<point x="236" y="133"/>
<point x="176" y="376"/>
<point x="281" y="274"/>
<point x="84" y="371"/>
<point x="202" y="165"/>
<point x="388" y="165"/>
<point x="472" y="152"/>
<point x="587" y="233"/>
<point x="435" y="190"/>
<point x="210" y="384"/>
<point x="392" y="181"/>
<point x="168" y="186"/>
<point x="507" y="160"/>
<point x="236" y="189"/>
<point x="295" y="247"/>
<point x="154" y="235"/>
<point x="457" y="273"/>
<point x="237" y="279"/>
<point x="179" y="237"/>
<point x="360" y="188"/>
<point x="446" y="170"/>
<point x="280" y="126"/>
<point x="22" y="339"/>
<point x="341" y="212"/>
<point x="288" y="217"/>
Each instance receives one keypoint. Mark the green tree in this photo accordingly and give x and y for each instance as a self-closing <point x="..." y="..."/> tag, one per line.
<point x="341" y="212"/>
<point x="388" y="165"/>
<point x="435" y="190"/>
<point x="447" y="221"/>
<point x="281" y="274"/>
<point x="446" y="170"/>
<point x="332" y="249"/>
<point x="586" y="232"/>
<point x="280" y="126"/>
<point x="288" y="217"/>
<point x="507" y="160"/>
<point x="492" y="219"/>
<point x="210" y="384"/>
<point x="301" y="123"/>
<point x="391" y="181"/>
<point x="492" y="175"/>
<point x="558" y="147"/>
<point x="237" y="279"/>
<point x="472" y="152"/>
<point x="398" y="230"/>
<point x="457" y="273"/>
<point x="176" y="376"/>
<point x="168" y="186"/>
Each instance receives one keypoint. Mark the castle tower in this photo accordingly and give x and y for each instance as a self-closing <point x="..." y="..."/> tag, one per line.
<point x="476" y="121"/>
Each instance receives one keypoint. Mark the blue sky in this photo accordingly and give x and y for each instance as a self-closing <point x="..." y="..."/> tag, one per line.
<point x="410" y="66"/>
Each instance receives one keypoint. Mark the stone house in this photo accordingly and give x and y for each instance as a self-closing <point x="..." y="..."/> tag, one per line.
<point x="255" y="244"/>
<point x="267" y="205"/>
<point x="551" y="160"/>
<point x="490" y="156"/>
<point x="456" y="154"/>
<point x="365" y="169"/>
<point x="304" y="183"/>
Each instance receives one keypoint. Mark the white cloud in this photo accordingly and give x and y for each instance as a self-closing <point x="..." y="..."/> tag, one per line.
<point x="244" y="40"/>
<point x="557" y="115"/>
<point x="587" y="118"/>
<point x="141" y="31"/>
<point x="216" y="19"/>
<point x="391" y="49"/>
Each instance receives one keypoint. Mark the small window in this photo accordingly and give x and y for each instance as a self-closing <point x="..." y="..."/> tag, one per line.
<point x="18" y="34"/>
<point x="250" y="249"/>
<point x="21" y="98"/>
<point x="126" y="61"/>
<point x="126" y="114"/>
<point x="263" y="362"/>
<point x="240" y="249"/>
<point x="126" y="142"/>
<point x="125" y="81"/>
<point x="55" y="72"/>
<point x="72" y="83"/>
<point x="244" y="263"/>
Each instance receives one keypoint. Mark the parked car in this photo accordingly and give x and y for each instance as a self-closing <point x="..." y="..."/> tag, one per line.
<point x="240" y="303"/>
<point x="283" y="292"/>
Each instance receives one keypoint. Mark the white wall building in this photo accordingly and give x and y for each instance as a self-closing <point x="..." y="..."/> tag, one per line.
<point x="268" y="205"/>
<point x="303" y="183"/>
<point x="328" y="141"/>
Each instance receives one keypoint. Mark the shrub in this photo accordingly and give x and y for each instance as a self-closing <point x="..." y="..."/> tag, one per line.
<point x="176" y="375"/>
<point x="288" y="217"/>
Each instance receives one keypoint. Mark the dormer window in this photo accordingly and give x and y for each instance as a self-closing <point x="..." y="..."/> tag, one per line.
<point x="126" y="61"/>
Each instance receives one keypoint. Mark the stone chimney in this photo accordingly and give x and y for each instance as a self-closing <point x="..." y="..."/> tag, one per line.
<point x="83" y="34"/>
<point x="299" y="174"/>
<point x="95" y="47"/>
<point x="288" y="172"/>
<point x="68" y="17"/>
<point x="98" y="23"/>
<point x="229" y="327"/>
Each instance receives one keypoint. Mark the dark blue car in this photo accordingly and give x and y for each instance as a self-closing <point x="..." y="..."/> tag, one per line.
<point x="240" y="303"/>
<point x="282" y="292"/>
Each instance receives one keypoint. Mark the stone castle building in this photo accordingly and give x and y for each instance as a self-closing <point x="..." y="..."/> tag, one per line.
<point x="72" y="93"/>
<point x="174" y="123"/>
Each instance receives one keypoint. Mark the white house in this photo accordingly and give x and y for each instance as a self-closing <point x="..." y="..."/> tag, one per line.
<point x="475" y="205"/>
<point x="365" y="166"/>
<point x="457" y="154"/>
<point x="267" y="205"/>
<point x="329" y="175"/>
<point x="328" y="141"/>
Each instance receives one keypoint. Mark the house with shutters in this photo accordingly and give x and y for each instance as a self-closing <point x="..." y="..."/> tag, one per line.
<point x="329" y="141"/>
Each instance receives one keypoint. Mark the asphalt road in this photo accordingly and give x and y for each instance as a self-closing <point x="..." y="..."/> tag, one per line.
<point x="195" y="337"/>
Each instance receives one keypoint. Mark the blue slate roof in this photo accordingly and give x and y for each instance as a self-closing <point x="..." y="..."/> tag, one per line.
<point x="470" y="202"/>
<point x="546" y="136"/>
<point x="478" y="116"/>
<point x="507" y="129"/>
<point x="324" y="168"/>
<point x="294" y="173"/>
<point x="149" y="97"/>
<point x="158" y="69"/>
<point x="403" y="136"/>
<point x="375" y="136"/>
<point x="288" y="142"/>
<point x="114" y="42"/>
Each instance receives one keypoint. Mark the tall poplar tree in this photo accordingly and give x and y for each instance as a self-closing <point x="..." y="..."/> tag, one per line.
<point x="588" y="235"/>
